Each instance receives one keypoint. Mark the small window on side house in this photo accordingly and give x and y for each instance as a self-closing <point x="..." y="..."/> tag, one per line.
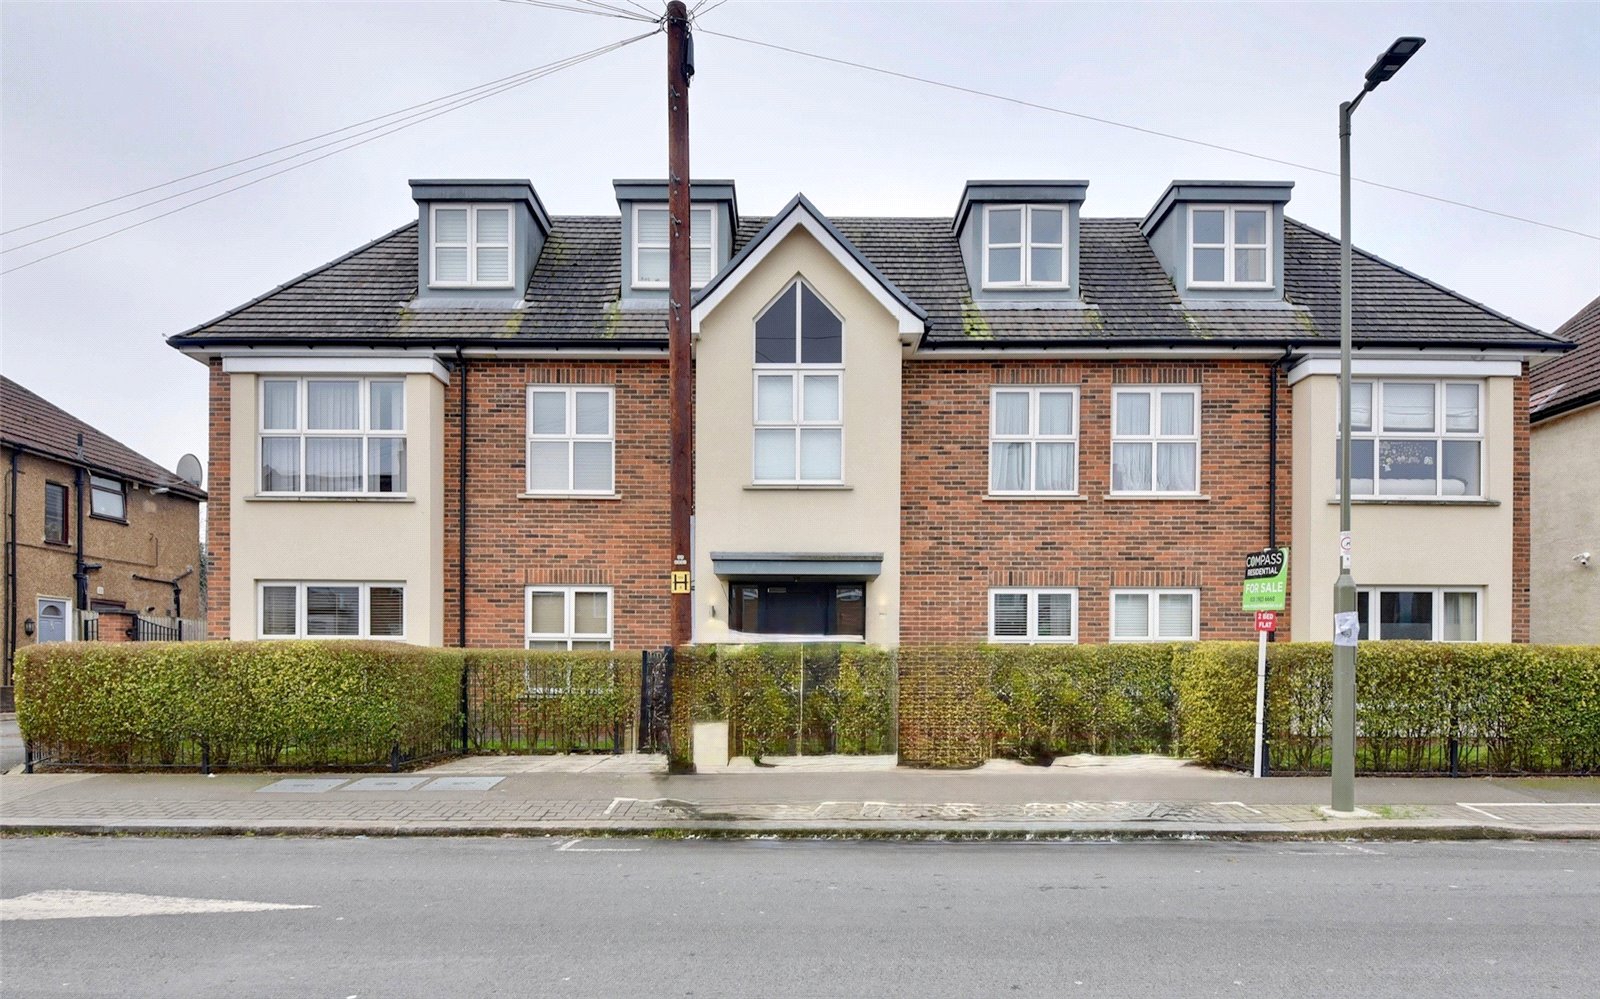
<point x="107" y="499"/>
<point x="55" y="513"/>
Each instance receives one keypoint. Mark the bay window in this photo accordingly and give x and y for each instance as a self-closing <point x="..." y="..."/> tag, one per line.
<point x="333" y="436"/>
<point x="1415" y="439"/>
<point x="1155" y="440"/>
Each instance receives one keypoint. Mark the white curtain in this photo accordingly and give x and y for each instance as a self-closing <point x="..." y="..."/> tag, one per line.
<point x="493" y="250"/>
<point x="1011" y="414"/>
<point x="450" y="245"/>
<point x="1177" y="414"/>
<point x="1175" y="468"/>
<point x="1056" y="468"/>
<point x="1130" y="468"/>
<point x="387" y="405"/>
<point x="1461" y="408"/>
<point x="1055" y="414"/>
<point x="589" y="614"/>
<point x="651" y="237"/>
<point x="280" y="464"/>
<point x="333" y="464"/>
<point x="386" y="465"/>
<point x="1460" y="617"/>
<point x="278" y="405"/>
<point x="547" y="614"/>
<point x="1008" y="467"/>
<point x="1360" y="406"/>
<point x="1133" y="414"/>
<point x="1407" y="406"/>
<point x="1130" y="615"/>
<point x="333" y="405"/>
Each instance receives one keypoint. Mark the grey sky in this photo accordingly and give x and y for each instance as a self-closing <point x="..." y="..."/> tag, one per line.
<point x="1501" y="109"/>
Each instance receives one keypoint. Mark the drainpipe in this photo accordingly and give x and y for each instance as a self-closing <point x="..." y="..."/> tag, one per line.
<point x="11" y="570"/>
<point x="81" y="570"/>
<point x="1272" y="450"/>
<point x="461" y="509"/>
<point x="177" y="589"/>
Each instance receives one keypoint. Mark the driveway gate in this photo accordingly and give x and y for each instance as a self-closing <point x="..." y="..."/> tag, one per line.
<point x="655" y="701"/>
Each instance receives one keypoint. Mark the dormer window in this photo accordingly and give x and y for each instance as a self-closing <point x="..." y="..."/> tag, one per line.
<point x="1024" y="246"/>
<point x="1229" y="246"/>
<point x="471" y="246"/>
<point x="652" y="228"/>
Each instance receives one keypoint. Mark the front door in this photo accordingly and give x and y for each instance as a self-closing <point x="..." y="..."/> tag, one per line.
<point x="52" y="620"/>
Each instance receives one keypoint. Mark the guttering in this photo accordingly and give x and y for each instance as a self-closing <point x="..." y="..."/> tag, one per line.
<point x="177" y="485"/>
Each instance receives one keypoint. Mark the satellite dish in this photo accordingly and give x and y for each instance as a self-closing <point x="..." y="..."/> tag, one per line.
<point x="190" y="470"/>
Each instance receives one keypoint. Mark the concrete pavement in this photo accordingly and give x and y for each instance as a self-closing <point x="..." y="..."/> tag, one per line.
<point x="589" y="795"/>
<point x="608" y="917"/>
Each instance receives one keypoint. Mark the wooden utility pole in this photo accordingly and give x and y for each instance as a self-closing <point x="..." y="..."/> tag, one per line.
<point x="680" y="67"/>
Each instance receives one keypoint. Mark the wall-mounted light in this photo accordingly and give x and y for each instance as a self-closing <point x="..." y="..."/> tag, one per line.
<point x="27" y="627"/>
<point x="711" y="602"/>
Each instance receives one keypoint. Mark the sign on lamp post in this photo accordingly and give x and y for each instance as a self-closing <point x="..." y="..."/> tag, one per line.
<point x="1266" y="591"/>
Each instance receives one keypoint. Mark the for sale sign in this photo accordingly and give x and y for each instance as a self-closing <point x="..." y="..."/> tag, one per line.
<point x="1266" y="579"/>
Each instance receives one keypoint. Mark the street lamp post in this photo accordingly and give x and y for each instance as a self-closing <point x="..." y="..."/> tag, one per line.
<point x="1344" y="591"/>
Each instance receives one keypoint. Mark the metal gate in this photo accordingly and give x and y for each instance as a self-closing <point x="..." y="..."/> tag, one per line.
<point x="655" y="701"/>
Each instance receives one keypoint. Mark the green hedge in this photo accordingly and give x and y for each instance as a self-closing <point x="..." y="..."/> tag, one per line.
<point x="1506" y="708"/>
<point x="551" y="702"/>
<point x="241" y="704"/>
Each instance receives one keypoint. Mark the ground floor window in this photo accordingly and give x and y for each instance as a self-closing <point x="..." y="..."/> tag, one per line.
<point x="831" y="608"/>
<point x="331" y="610"/>
<point x="1422" y="615"/>
<point x="569" y="617"/>
<point x="1021" y="615"/>
<point x="1155" y="615"/>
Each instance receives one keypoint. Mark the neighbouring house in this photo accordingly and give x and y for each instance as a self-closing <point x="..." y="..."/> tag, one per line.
<point x="1564" y="408"/>
<point x="91" y="526"/>
<point x="1018" y="423"/>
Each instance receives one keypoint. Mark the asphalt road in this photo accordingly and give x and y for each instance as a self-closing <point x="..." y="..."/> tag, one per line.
<point x="533" y="917"/>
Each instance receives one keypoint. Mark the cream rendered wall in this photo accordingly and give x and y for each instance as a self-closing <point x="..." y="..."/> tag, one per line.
<point x="1397" y="543"/>
<point x="344" y="540"/>
<point x="730" y="514"/>
<point x="1566" y="521"/>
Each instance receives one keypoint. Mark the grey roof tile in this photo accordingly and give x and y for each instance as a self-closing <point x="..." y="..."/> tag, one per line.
<point x="1572" y="379"/>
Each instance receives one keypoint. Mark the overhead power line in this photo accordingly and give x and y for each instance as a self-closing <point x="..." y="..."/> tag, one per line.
<point x="1021" y="102"/>
<point x="588" y="7"/>
<point x="520" y="80"/>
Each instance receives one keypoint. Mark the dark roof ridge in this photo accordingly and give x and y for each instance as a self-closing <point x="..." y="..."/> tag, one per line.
<point x="1432" y="284"/>
<point x="313" y="272"/>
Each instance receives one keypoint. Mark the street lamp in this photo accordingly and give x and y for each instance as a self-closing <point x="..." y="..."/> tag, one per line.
<point x="1344" y="591"/>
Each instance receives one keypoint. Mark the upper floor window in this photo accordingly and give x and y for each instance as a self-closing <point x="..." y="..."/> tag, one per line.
<point x="1419" y="615"/>
<point x="339" y="436"/>
<point x="1155" y="615"/>
<point x="1415" y="439"/>
<point x="1024" y="246"/>
<point x="1155" y="440"/>
<point x="1229" y="246"/>
<point x="107" y="498"/>
<point x="652" y="230"/>
<point x="471" y="246"/>
<point x="55" y="513"/>
<point x="799" y="390"/>
<point x="1017" y="615"/>
<point x="1033" y="440"/>
<point x="571" y="443"/>
<point x="568" y="617"/>
<point x="331" y="610"/>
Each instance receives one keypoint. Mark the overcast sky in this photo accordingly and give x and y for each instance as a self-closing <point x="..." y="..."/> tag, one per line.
<point x="1501" y="109"/>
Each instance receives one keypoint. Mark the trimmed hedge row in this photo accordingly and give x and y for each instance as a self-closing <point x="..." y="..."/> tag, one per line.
<point x="1503" y="708"/>
<point x="249" y="704"/>
<point x="550" y="702"/>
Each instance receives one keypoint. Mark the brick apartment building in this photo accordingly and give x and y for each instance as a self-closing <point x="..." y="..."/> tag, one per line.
<point x="91" y="526"/>
<point x="1014" y="424"/>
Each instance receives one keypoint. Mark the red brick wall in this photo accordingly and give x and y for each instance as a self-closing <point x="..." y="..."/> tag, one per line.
<point x="1521" y="540"/>
<point x="513" y="543"/>
<point x="219" y="603"/>
<point x="955" y="544"/>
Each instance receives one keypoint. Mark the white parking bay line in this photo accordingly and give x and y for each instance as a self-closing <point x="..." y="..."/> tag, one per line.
<point x="64" y="904"/>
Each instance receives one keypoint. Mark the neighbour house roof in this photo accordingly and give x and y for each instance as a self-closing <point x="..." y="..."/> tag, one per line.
<point x="369" y="297"/>
<point x="30" y="422"/>
<point x="1573" y="379"/>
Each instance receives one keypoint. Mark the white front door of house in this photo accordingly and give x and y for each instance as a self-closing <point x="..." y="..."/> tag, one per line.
<point x="52" y="620"/>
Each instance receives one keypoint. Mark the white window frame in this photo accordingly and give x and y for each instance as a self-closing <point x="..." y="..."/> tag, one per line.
<point x="1155" y="438"/>
<point x="568" y="614"/>
<point x="1374" y="626"/>
<point x="1438" y="435"/>
<point x="1027" y="245"/>
<point x="1033" y="637"/>
<point x="797" y="372"/>
<point x="1034" y="438"/>
<point x="1152" y="623"/>
<point x="570" y="438"/>
<point x="1229" y="245"/>
<point x="710" y="247"/>
<point x="472" y="245"/>
<point x="364" y="626"/>
<point x="301" y="431"/>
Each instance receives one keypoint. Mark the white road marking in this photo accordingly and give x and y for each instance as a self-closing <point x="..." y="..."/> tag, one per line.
<point x="66" y="904"/>
<point x="1481" y="811"/>
<point x="645" y="801"/>
<point x="1239" y="804"/>
<point x="571" y="846"/>
<point x="1358" y="848"/>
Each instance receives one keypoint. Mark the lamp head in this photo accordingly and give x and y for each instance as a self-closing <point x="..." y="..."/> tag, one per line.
<point x="1390" y="62"/>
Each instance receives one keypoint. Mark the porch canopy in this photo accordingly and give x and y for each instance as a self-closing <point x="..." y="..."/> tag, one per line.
<point x="797" y="565"/>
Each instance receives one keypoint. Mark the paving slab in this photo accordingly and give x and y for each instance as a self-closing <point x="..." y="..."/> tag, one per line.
<point x="462" y="783"/>
<point x="302" y="785"/>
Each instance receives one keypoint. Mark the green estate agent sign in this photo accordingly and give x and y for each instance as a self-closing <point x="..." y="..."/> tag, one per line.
<point x="1266" y="579"/>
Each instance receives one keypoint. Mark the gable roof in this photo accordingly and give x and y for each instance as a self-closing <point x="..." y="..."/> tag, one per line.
<point x="32" y="423"/>
<point x="573" y="297"/>
<point x="1573" y="379"/>
<point x="801" y="213"/>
